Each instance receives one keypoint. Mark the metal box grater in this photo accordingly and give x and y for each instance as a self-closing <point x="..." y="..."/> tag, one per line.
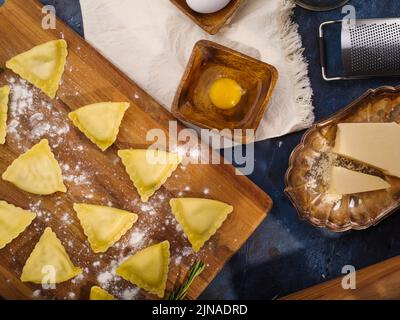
<point x="370" y="48"/>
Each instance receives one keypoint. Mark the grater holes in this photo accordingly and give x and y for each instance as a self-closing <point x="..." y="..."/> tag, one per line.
<point x="375" y="49"/>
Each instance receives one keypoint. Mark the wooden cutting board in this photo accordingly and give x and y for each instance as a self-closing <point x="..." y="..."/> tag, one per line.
<point x="95" y="177"/>
<point x="377" y="282"/>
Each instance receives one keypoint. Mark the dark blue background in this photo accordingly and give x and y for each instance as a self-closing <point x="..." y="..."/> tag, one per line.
<point x="285" y="254"/>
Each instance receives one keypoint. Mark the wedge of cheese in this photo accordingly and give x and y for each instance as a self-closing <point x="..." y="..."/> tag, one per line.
<point x="344" y="181"/>
<point x="375" y="144"/>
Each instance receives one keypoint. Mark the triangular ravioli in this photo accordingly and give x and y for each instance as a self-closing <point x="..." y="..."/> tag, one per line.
<point x="36" y="171"/>
<point x="104" y="225"/>
<point x="199" y="218"/>
<point x="97" y="293"/>
<point x="43" y="65"/>
<point x="13" y="221"/>
<point x="49" y="262"/>
<point x="148" y="268"/>
<point x="100" y="122"/>
<point x="149" y="169"/>
<point x="4" y="93"/>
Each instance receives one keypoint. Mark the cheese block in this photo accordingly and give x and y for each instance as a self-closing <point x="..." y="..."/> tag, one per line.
<point x="344" y="181"/>
<point x="375" y="144"/>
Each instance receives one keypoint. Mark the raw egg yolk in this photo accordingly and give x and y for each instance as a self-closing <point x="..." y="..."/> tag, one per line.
<point x="225" y="93"/>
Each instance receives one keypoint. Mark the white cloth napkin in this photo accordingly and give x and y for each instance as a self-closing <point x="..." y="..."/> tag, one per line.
<point x="151" y="41"/>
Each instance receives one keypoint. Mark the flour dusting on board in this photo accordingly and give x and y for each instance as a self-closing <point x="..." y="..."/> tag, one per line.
<point x="22" y="110"/>
<point x="32" y="118"/>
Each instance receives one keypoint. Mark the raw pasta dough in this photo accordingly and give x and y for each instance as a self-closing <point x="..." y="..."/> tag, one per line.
<point x="36" y="171"/>
<point x="49" y="262"/>
<point x="104" y="225"/>
<point x="199" y="218"/>
<point x="148" y="268"/>
<point x="100" y="122"/>
<point x="4" y="93"/>
<point x="13" y="221"/>
<point x="43" y="65"/>
<point x="97" y="293"/>
<point x="149" y="169"/>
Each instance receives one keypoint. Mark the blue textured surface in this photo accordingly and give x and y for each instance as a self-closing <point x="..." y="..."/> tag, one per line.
<point x="285" y="254"/>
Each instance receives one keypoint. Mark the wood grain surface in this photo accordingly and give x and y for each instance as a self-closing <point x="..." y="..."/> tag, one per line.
<point x="92" y="176"/>
<point x="377" y="282"/>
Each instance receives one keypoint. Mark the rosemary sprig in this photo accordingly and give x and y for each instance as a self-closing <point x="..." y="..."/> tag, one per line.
<point x="179" y="293"/>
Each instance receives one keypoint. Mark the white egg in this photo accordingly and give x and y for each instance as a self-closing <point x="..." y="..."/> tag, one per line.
<point x="207" y="6"/>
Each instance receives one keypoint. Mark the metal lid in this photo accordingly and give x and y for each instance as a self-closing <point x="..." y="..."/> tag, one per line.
<point x="320" y="5"/>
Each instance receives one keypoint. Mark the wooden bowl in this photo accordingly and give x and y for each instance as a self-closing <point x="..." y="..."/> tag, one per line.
<point x="308" y="191"/>
<point x="211" y="22"/>
<point x="210" y="61"/>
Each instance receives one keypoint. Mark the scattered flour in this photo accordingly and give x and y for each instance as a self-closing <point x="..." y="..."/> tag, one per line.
<point x="71" y="295"/>
<point x="181" y="254"/>
<point x="12" y="129"/>
<point x="46" y="105"/>
<point x="137" y="238"/>
<point x="78" y="278"/>
<point x="77" y="179"/>
<point x="38" y="125"/>
<point x="36" y="207"/>
<point x="105" y="278"/>
<point x="36" y="117"/>
<point x="186" y="251"/>
<point x="21" y="98"/>
<point x="148" y="208"/>
<point x="36" y="293"/>
<point x="178" y="260"/>
<point x="130" y="294"/>
<point x="22" y="109"/>
<point x="40" y="130"/>
<point x="161" y="197"/>
<point x="178" y="227"/>
<point x="66" y="218"/>
<point x="145" y="207"/>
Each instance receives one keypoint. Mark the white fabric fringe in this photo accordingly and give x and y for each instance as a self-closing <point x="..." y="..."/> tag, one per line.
<point x="151" y="42"/>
